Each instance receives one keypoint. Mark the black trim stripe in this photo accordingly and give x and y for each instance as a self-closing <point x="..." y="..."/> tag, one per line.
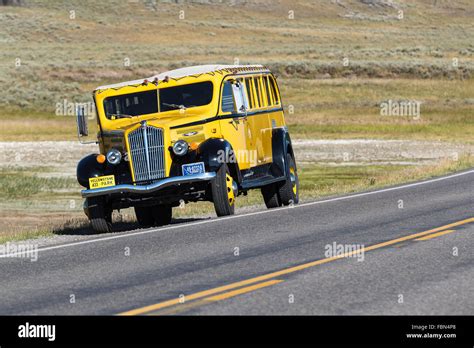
<point x="113" y="133"/>
<point x="223" y="117"/>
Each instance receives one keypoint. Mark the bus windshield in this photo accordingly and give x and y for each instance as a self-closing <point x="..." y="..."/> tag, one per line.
<point x="170" y="98"/>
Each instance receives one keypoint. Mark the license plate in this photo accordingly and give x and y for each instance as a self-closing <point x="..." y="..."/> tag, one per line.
<point x="101" y="181"/>
<point x="193" y="168"/>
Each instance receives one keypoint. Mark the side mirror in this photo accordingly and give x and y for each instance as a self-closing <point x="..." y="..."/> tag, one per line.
<point x="82" y="129"/>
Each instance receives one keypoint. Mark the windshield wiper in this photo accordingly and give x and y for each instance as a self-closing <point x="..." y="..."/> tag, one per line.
<point x="175" y="106"/>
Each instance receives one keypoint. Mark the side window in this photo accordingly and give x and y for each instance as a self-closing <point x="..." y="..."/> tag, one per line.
<point x="272" y="93"/>
<point x="267" y="90"/>
<point x="227" y="98"/>
<point x="262" y="91"/>
<point x="240" y="97"/>
<point x="257" y="90"/>
<point x="248" y="87"/>
<point x="234" y="98"/>
<point x="275" y="90"/>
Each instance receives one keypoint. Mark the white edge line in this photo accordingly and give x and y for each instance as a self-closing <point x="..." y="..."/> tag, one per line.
<point x="185" y="225"/>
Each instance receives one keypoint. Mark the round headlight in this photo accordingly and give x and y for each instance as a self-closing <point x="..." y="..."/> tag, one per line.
<point x="114" y="156"/>
<point x="180" y="148"/>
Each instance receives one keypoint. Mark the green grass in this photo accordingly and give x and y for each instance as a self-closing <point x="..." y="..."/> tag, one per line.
<point x="19" y="184"/>
<point x="24" y="235"/>
<point x="351" y="109"/>
<point x="325" y="109"/>
<point x="66" y="58"/>
<point x="446" y="132"/>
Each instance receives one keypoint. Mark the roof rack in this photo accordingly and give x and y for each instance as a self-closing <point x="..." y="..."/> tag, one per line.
<point x="195" y="71"/>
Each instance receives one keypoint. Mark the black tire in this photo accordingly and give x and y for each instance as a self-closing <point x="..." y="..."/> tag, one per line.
<point x="100" y="215"/>
<point x="162" y="214"/>
<point x="270" y="196"/>
<point x="157" y="215"/>
<point x="289" y="189"/>
<point x="144" y="216"/>
<point x="101" y="225"/>
<point x="222" y="196"/>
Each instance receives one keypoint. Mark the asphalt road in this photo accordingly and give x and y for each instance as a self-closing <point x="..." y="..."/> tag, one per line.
<point x="418" y="259"/>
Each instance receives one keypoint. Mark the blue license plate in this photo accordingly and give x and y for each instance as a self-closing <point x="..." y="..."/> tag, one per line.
<point x="193" y="168"/>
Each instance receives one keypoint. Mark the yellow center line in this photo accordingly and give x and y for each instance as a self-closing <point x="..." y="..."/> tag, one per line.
<point x="215" y="298"/>
<point x="286" y="271"/>
<point x="434" y="235"/>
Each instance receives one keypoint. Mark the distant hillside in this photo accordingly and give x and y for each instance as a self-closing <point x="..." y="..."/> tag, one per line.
<point x="60" y="49"/>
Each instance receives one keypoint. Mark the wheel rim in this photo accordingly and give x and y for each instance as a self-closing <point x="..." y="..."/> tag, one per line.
<point x="230" y="189"/>
<point x="293" y="179"/>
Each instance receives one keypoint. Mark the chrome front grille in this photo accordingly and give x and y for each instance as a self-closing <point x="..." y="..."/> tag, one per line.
<point x="147" y="152"/>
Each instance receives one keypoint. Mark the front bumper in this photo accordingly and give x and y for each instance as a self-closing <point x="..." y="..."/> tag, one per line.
<point x="144" y="189"/>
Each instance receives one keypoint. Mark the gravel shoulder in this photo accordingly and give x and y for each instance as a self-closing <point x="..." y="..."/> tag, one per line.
<point x="370" y="152"/>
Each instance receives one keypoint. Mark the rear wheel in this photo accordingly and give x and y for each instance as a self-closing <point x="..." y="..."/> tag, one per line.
<point x="100" y="215"/>
<point x="144" y="216"/>
<point x="289" y="190"/>
<point x="157" y="215"/>
<point x="224" y="192"/>
<point x="270" y="196"/>
<point x="162" y="214"/>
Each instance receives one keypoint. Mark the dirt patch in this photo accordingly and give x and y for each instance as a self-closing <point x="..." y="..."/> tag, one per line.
<point x="370" y="152"/>
<point x="62" y="156"/>
<point x="32" y="221"/>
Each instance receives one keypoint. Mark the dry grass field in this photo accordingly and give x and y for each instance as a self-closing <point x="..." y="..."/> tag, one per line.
<point x="337" y="61"/>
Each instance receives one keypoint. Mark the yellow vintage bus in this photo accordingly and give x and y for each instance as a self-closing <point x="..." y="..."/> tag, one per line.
<point x="202" y="133"/>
